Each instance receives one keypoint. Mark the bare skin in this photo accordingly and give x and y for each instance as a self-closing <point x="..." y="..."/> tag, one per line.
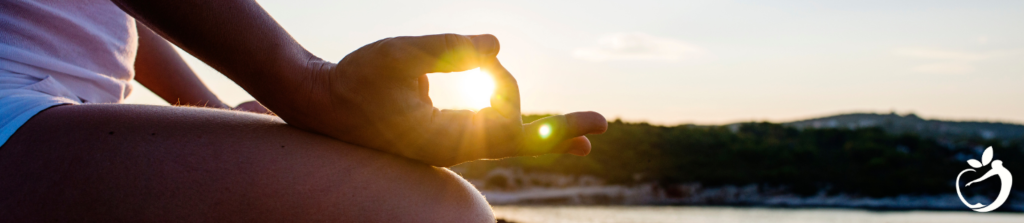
<point x="115" y="162"/>
<point x="139" y="163"/>
<point x="159" y="67"/>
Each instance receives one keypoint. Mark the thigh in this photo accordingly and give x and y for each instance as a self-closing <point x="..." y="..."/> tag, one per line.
<point x="115" y="162"/>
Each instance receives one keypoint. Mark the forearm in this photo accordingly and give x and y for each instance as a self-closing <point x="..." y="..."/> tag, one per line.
<point x="236" y="37"/>
<point x="159" y="67"/>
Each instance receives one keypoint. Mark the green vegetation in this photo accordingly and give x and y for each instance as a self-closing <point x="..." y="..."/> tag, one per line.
<point x="866" y="161"/>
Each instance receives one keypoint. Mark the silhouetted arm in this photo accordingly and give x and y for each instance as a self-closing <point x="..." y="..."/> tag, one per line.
<point x="236" y="37"/>
<point x="159" y="67"/>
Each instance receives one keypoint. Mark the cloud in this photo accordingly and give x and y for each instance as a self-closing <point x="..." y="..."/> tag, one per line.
<point x="948" y="61"/>
<point x="940" y="54"/>
<point x="636" y="46"/>
<point x="945" y="68"/>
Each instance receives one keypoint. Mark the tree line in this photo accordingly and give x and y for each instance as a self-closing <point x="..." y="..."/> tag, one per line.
<point x="864" y="161"/>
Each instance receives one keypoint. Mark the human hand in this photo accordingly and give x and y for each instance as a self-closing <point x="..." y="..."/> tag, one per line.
<point x="377" y="97"/>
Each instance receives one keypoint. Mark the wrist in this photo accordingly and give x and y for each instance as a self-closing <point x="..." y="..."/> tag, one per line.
<point x="297" y="88"/>
<point x="318" y="69"/>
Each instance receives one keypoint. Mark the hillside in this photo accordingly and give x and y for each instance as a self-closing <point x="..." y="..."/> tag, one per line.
<point x="910" y="123"/>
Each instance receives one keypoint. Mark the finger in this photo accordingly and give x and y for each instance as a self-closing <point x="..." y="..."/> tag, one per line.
<point x="546" y="135"/>
<point x="505" y="99"/>
<point x="579" y="146"/>
<point x="438" y="53"/>
<point x="587" y="122"/>
<point x="487" y="45"/>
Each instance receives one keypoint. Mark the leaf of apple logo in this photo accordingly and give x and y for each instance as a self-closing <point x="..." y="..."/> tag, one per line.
<point x="974" y="163"/>
<point x="986" y="157"/>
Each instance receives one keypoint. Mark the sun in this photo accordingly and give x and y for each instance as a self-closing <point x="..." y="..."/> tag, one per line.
<point x="471" y="89"/>
<point x="476" y="87"/>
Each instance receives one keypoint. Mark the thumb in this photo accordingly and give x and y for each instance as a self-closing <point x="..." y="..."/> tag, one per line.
<point x="562" y="134"/>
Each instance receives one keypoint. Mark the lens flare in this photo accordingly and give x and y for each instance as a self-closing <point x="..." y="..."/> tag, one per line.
<point x="544" y="131"/>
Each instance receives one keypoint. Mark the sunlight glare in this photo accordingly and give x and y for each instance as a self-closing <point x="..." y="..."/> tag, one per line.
<point x="471" y="89"/>
<point x="477" y="88"/>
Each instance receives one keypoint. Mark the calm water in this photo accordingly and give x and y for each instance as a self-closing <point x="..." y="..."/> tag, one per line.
<point x="655" y="214"/>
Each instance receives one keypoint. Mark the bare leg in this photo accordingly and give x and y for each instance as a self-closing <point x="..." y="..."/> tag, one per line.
<point x="138" y="163"/>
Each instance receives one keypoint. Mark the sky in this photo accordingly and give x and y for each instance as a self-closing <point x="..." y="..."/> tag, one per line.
<point x="676" y="62"/>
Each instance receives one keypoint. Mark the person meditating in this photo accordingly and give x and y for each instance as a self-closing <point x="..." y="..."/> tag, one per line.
<point x="353" y="141"/>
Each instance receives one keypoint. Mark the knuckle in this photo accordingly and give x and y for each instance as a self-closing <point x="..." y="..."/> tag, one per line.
<point x="386" y="52"/>
<point x="389" y="46"/>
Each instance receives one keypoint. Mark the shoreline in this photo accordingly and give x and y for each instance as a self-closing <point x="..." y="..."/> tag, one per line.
<point x="730" y="196"/>
<point x="720" y="214"/>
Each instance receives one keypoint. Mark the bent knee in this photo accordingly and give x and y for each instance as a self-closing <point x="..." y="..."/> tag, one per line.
<point x="465" y="202"/>
<point x="370" y="186"/>
<point x="424" y="193"/>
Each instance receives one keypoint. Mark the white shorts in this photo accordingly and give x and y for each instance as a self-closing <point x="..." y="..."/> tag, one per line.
<point x="23" y="96"/>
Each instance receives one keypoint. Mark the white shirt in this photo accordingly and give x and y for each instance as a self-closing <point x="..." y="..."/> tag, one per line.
<point x="87" y="47"/>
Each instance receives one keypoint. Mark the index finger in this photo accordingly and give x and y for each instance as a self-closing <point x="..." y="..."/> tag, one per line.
<point x="419" y="55"/>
